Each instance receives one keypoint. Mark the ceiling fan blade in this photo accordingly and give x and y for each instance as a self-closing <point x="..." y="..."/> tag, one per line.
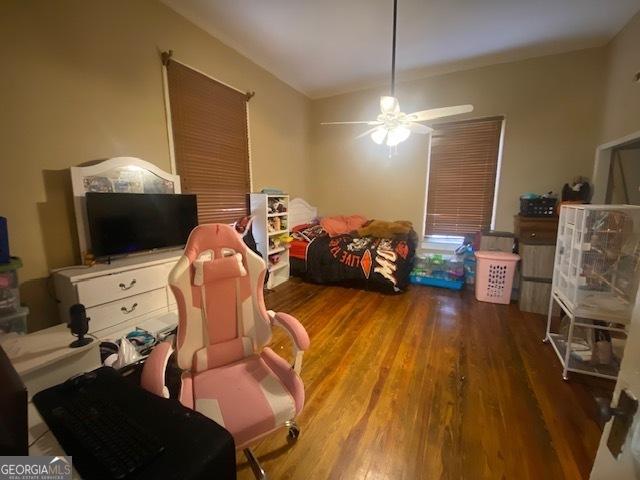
<point x="365" y="122"/>
<point x="419" y="128"/>
<point x="433" y="113"/>
<point x="368" y="132"/>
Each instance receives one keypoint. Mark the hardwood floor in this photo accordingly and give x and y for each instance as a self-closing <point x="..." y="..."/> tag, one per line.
<point x="425" y="385"/>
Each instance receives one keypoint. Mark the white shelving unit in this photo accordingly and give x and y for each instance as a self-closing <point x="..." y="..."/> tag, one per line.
<point x="268" y="226"/>
<point x="595" y="282"/>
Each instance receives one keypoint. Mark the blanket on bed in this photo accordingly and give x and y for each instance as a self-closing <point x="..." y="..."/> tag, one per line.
<point x="367" y="262"/>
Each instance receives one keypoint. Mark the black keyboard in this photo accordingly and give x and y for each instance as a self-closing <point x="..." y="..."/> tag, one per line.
<point x="116" y="443"/>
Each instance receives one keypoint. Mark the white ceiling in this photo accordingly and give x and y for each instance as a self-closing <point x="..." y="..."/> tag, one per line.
<point x="323" y="47"/>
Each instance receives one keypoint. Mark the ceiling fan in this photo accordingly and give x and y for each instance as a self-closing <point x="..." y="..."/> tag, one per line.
<point x="392" y="126"/>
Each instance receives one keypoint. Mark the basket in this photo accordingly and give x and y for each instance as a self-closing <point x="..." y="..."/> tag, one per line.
<point x="538" y="207"/>
<point x="494" y="276"/>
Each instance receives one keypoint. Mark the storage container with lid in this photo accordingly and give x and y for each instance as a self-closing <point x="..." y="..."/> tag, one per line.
<point x="436" y="270"/>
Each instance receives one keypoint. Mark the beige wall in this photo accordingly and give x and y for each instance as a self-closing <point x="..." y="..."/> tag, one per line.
<point x="621" y="112"/>
<point x="81" y="80"/>
<point x="551" y="106"/>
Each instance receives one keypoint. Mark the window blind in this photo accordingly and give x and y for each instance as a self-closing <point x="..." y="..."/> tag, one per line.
<point x="462" y="176"/>
<point x="211" y="144"/>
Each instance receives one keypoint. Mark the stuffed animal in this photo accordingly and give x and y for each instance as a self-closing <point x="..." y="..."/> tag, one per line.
<point x="274" y="259"/>
<point x="384" y="229"/>
<point x="243" y="225"/>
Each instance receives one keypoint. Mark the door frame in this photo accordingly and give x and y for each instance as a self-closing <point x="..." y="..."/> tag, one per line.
<point x="602" y="165"/>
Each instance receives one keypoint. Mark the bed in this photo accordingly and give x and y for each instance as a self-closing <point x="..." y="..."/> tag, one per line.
<point x="368" y="262"/>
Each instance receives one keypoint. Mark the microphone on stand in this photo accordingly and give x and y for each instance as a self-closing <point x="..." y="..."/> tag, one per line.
<point x="79" y="325"/>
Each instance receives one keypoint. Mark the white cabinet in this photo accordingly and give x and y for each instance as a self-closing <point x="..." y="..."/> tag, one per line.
<point x="270" y="227"/>
<point x="131" y="289"/>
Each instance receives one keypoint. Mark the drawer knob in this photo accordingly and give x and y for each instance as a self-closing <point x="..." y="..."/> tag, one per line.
<point x="126" y="310"/>
<point x="125" y="287"/>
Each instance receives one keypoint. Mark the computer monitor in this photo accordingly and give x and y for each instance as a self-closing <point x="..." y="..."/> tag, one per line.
<point x="14" y="425"/>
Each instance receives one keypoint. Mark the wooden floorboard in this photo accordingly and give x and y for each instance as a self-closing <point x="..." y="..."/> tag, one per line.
<point x="429" y="384"/>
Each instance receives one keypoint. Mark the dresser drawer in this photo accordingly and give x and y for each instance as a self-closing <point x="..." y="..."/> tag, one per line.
<point x="113" y="313"/>
<point x="537" y="260"/>
<point x="536" y="229"/>
<point x="108" y="288"/>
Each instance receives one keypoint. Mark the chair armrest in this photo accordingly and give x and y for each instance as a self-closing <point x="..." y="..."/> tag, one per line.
<point x="296" y="332"/>
<point x="294" y="328"/>
<point x="153" y="372"/>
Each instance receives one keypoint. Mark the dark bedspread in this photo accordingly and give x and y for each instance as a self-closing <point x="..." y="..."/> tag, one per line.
<point x="364" y="262"/>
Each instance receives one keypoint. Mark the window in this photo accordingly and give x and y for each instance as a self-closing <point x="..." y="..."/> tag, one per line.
<point x="462" y="176"/>
<point x="211" y="145"/>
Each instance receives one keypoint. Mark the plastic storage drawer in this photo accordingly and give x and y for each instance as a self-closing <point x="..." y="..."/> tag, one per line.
<point x="9" y="292"/>
<point x="14" y="322"/>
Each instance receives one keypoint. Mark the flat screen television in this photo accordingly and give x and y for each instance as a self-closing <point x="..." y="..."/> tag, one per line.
<point x="123" y="223"/>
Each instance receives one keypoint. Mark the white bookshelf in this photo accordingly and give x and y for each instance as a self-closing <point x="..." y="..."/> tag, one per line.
<point x="263" y="233"/>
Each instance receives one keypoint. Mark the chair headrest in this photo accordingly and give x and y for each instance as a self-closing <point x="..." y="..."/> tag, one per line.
<point x="214" y="237"/>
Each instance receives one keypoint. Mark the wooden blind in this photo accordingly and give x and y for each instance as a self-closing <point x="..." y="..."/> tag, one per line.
<point x="211" y="145"/>
<point x="462" y="176"/>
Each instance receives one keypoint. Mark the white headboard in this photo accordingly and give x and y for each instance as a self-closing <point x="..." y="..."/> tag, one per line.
<point x="301" y="212"/>
<point x="116" y="175"/>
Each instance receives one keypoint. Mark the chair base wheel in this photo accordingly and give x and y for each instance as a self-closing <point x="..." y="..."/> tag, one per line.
<point x="293" y="431"/>
<point x="293" y="434"/>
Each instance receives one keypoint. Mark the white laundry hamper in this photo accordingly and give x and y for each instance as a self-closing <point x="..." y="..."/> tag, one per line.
<point x="494" y="276"/>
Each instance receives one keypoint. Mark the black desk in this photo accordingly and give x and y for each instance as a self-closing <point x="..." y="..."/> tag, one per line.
<point x="195" y="446"/>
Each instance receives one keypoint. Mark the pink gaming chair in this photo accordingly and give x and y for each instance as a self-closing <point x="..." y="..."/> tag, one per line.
<point x="230" y="375"/>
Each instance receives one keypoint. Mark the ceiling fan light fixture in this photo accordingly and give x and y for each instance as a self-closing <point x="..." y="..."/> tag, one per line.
<point x="392" y="126"/>
<point x="389" y="104"/>
<point x="378" y="135"/>
<point x="397" y="135"/>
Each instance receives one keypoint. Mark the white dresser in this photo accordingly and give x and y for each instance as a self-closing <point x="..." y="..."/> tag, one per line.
<point x="120" y="294"/>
